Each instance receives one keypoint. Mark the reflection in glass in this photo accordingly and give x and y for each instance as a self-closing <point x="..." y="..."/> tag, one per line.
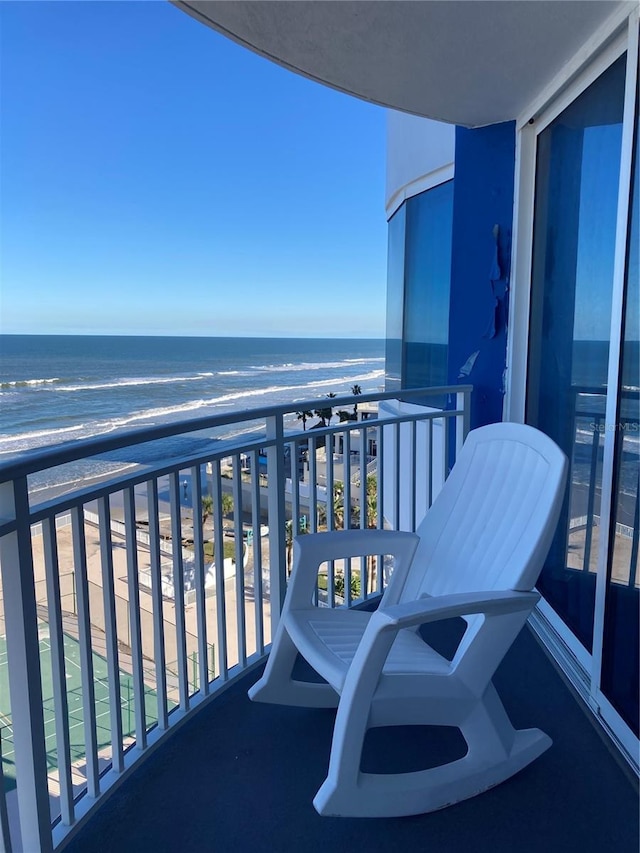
<point x="578" y="162"/>
<point x="621" y="664"/>
<point x="418" y="290"/>
<point x="395" y="299"/>
<point x="427" y="287"/>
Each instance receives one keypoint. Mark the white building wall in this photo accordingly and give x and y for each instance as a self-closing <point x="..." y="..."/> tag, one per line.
<point x="409" y="473"/>
<point x="420" y="155"/>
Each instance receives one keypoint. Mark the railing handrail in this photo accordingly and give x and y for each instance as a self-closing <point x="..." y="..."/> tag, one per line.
<point x="72" y="451"/>
<point x="109" y="484"/>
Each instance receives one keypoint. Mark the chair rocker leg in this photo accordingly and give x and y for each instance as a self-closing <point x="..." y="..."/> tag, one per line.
<point x="278" y="687"/>
<point x="496" y="751"/>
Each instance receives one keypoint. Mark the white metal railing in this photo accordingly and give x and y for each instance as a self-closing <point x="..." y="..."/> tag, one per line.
<point x="126" y="603"/>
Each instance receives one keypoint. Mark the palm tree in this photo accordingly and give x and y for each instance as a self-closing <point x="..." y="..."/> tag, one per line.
<point x="329" y="411"/>
<point x="303" y="416"/>
<point x="227" y="504"/>
<point x="371" y="510"/>
<point x="325" y="414"/>
<point x="356" y="390"/>
<point x="207" y="507"/>
<point x="338" y="507"/>
<point x="338" y="504"/>
<point x="288" y="538"/>
<point x="372" y="500"/>
<point x="372" y="517"/>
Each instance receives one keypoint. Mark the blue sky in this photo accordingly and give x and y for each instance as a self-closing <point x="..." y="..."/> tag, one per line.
<point x="159" y="179"/>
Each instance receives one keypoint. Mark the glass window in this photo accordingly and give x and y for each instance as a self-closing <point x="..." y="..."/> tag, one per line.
<point x="427" y="287"/>
<point x="577" y="173"/>
<point x="395" y="299"/>
<point x="418" y="290"/>
<point x="621" y="642"/>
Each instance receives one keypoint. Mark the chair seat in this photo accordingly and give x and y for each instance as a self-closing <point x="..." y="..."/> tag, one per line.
<point x="328" y="640"/>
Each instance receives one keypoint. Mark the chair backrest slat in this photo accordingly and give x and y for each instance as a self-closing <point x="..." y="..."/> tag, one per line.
<point x="491" y="525"/>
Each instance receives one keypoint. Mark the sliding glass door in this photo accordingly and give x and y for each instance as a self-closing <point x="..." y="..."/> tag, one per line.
<point x="621" y="639"/>
<point x="582" y="376"/>
<point x="578" y="165"/>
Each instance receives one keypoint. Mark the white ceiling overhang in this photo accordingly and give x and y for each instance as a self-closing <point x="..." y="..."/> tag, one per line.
<point x="468" y="62"/>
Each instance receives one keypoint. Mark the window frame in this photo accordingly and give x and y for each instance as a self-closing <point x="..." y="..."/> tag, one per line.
<point x="582" y="668"/>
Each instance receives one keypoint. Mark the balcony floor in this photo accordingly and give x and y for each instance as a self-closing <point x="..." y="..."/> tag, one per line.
<point x="241" y="776"/>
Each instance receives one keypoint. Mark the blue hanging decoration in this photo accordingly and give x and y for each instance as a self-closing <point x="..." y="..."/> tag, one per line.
<point x="467" y="367"/>
<point x="495" y="274"/>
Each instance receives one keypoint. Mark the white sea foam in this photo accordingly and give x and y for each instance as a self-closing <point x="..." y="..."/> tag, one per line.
<point x="295" y="367"/>
<point x="26" y="383"/>
<point x="107" y="469"/>
<point x="212" y="405"/>
<point x="132" y="382"/>
<point x="40" y="433"/>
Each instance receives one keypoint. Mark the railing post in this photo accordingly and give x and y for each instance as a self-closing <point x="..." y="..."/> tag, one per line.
<point x="21" y="625"/>
<point x="463" y="422"/>
<point x="5" y="832"/>
<point x="277" y="517"/>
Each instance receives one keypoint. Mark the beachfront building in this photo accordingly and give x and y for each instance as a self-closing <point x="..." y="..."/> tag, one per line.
<point x="513" y="209"/>
<point x="513" y="265"/>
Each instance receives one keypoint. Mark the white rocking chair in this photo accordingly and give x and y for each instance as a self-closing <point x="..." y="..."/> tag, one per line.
<point x="477" y="554"/>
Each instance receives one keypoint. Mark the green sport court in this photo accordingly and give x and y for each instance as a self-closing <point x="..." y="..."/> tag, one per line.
<point x="74" y="699"/>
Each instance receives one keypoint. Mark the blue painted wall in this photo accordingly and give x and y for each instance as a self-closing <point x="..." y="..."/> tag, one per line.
<point x="482" y="199"/>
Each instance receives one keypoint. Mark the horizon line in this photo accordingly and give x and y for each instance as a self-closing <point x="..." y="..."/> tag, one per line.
<point x="165" y="335"/>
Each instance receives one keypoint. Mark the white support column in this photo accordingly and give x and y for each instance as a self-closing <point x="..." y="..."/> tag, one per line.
<point x="21" y="621"/>
<point x="256" y="544"/>
<point x="58" y="669"/>
<point x="201" y="603"/>
<point x="178" y="589"/>
<point x="111" y="634"/>
<point x="159" y="652"/>
<point x="463" y="421"/>
<point x="218" y="556"/>
<point x="277" y="518"/>
<point x="5" y="832"/>
<point x="241" y="617"/>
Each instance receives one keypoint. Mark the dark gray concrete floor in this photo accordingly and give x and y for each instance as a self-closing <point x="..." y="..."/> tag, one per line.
<point x="241" y="777"/>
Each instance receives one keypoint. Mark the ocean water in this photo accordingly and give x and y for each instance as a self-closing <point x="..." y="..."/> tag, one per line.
<point x="55" y="389"/>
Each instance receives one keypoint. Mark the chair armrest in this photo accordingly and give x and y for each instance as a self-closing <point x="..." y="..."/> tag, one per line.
<point x="414" y="613"/>
<point x="313" y="549"/>
<point x="385" y="623"/>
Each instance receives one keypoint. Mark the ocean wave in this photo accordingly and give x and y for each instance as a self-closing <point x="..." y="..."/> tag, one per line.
<point x="40" y="433"/>
<point x="132" y="382"/>
<point x="49" y="481"/>
<point x="28" y="383"/>
<point x="277" y="389"/>
<point x="163" y="414"/>
<point x="137" y="381"/>
<point x="88" y="385"/>
<point x="295" y="367"/>
<point x="76" y="386"/>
